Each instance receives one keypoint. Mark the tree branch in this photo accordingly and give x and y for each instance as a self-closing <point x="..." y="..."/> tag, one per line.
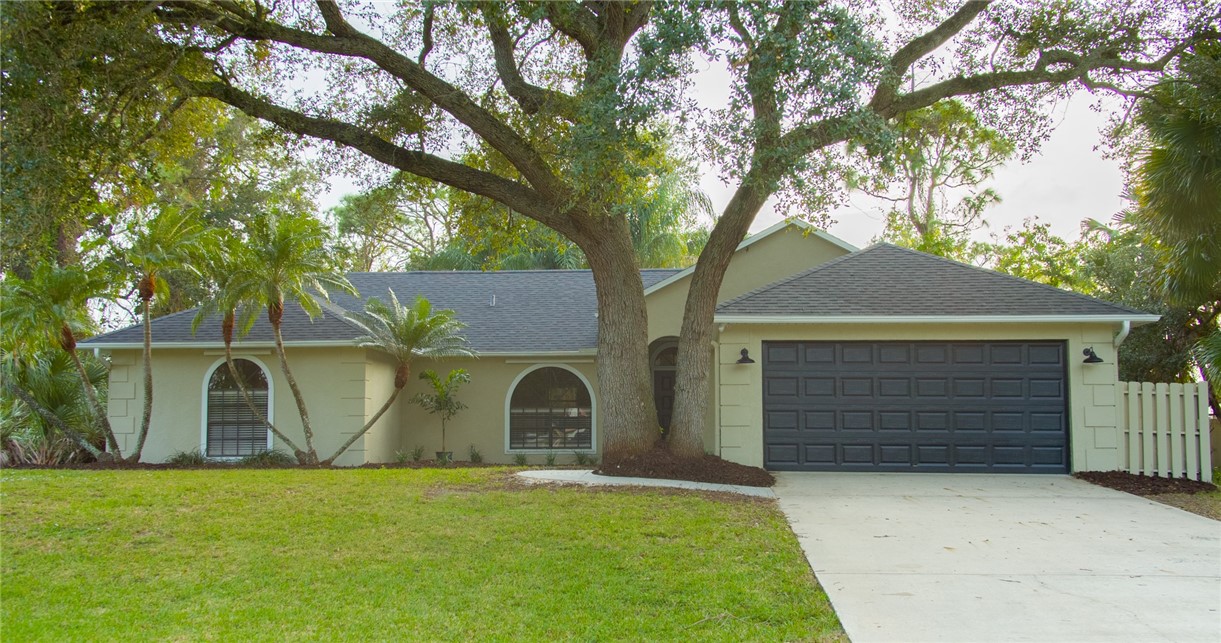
<point x="919" y="47"/>
<point x="515" y="195"/>
<point x="530" y="97"/>
<point x="354" y="44"/>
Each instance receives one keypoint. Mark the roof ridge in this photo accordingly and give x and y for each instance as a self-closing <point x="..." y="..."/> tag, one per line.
<point x="1022" y="280"/>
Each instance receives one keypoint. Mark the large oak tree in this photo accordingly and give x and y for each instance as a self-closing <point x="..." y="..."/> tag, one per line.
<point x="560" y="100"/>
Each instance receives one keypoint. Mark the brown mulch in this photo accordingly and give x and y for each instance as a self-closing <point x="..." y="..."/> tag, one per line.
<point x="660" y="463"/>
<point x="1141" y="485"/>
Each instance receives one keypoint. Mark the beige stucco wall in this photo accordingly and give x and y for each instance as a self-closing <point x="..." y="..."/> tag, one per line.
<point x="483" y="423"/>
<point x="784" y="253"/>
<point x="333" y="381"/>
<point x="1093" y="434"/>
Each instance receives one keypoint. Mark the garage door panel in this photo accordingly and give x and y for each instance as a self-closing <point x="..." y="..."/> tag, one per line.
<point x="907" y="406"/>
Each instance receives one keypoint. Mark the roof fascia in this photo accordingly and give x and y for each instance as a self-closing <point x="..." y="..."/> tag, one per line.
<point x="932" y="319"/>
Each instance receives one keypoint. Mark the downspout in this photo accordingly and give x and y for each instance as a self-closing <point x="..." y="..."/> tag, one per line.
<point x="716" y="386"/>
<point x="1124" y="329"/>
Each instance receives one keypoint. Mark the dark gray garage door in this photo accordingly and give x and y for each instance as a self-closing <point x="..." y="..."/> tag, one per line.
<point x="915" y="406"/>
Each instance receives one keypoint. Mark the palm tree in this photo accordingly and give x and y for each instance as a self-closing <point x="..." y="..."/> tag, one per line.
<point x="662" y="223"/>
<point x="51" y="308"/>
<point x="404" y="334"/>
<point x="288" y="260"/>
<point x="49" y="419"/>
<point x="226" y="264"/>
<point x="169" y="242"/>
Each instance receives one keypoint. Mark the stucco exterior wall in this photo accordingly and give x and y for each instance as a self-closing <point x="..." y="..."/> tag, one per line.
<point x="782" y="254"/>
<point x="333" y="382"/>
<point x="483" y="424"/>
<point x="1094" y="442"/>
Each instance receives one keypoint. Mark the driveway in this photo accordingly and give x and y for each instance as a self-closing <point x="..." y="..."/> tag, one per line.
<point x="931" y="557"/>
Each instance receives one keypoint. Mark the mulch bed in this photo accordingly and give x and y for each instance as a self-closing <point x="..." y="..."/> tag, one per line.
<point x="660" y="463"/>
<point x="1143" y="485"/>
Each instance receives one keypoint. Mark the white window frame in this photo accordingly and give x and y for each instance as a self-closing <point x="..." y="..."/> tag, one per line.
<point x="593" y="410"/>
<point x="203" y="414"/>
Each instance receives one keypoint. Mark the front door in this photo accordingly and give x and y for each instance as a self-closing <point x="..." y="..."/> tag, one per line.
<point x="663" y="393"/>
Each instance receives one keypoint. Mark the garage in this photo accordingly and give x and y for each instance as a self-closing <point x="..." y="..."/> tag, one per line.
<point x="903" y="406"/>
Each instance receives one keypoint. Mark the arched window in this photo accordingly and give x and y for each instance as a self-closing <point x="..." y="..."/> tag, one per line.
<point x="551" y="408"/>
<point x="232" y="428"/>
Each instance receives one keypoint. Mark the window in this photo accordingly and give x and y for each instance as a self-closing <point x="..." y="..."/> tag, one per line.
<point x="232" y="429"/>
<point x="551" y="408"/>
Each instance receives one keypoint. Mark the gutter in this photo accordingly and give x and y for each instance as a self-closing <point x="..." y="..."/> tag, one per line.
<point x="1131" y="320"/>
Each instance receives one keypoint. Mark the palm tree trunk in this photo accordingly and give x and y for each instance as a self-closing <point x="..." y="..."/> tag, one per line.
<point x="241" y="386"/>
<point x="310" y="454"/>
<point x="147" y="417"/>
<point x="368" y="425"/>
<point x="55" y="421"/>
<point x="103" y="417"/>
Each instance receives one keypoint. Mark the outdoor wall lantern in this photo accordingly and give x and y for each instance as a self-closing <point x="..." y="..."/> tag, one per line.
<point x="1090" y="356"/>
<point x="746" y="357"/>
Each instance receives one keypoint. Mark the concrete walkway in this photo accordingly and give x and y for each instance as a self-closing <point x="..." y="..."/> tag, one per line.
<point x="587" y="476"/>
<point x="928" y="557"/>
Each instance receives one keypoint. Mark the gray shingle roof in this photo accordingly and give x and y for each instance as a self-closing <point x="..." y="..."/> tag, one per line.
<point x="534" y="311"/>
<point x="885" y="280"/>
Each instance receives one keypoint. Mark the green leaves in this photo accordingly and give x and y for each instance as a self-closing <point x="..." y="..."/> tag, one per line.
<point x="405" y="333"/>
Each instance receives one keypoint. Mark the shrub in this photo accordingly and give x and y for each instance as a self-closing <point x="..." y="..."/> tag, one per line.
<point x="401" y="456"/>
<point x="443" y="459"/>
<point x="583" y="458"/>
<point x="417" y="453"/>
<point x="520" y="459"/>
<point x="550" y="459"/>
<point x="269" y="458"/>
<point x="474" y="455"/>
<point x="190" y="458"/>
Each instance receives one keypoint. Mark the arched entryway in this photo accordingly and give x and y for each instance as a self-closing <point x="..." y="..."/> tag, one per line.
<point x="663" y="360"/>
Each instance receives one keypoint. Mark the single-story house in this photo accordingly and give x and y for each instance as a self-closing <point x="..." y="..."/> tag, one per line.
<point x="828" y="358"/>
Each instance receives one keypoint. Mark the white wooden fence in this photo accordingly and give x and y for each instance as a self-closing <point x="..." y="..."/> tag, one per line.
<point x="1165" y="429"/>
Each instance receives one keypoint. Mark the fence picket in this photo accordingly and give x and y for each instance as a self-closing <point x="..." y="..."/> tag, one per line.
<point x="1146" y="427"/>
<point x="1206" y="465"/>
<point x="1191" y="440"/>
<point x="1174" y="404"/>
<point x="1162" y="428"/>
<point x="1129" y="414"/>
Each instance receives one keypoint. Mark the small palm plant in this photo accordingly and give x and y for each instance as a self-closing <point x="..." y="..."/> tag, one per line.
<point x="441" y="401"/>
<point x="51" y="308"/>
<point x="405" y="333"/>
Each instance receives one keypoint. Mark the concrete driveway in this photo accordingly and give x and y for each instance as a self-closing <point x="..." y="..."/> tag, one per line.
<point x="930" y="557"/>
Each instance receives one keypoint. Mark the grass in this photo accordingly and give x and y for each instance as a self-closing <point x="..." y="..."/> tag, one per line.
<point x="1206" y="503"/>
<point x="454" y="554"/>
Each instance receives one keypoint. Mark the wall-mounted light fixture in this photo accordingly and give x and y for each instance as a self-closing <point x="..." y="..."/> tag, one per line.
<point x="1090" y="356"/>
<point x="746" y="357"/>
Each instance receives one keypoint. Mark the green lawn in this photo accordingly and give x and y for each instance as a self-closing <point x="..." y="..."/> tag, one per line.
<point x="391" y="554"/>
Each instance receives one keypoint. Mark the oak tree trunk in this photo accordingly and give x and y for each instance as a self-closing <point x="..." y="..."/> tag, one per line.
<point x="695" y="357"/>
<point x="627" y="416"/>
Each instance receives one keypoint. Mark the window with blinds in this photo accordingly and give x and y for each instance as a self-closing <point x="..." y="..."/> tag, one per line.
<point x="551" y="409"/>
<point x="234" y="430"/>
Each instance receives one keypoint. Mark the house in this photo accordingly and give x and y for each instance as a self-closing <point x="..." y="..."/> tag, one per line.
<point x="827" y="358"/>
